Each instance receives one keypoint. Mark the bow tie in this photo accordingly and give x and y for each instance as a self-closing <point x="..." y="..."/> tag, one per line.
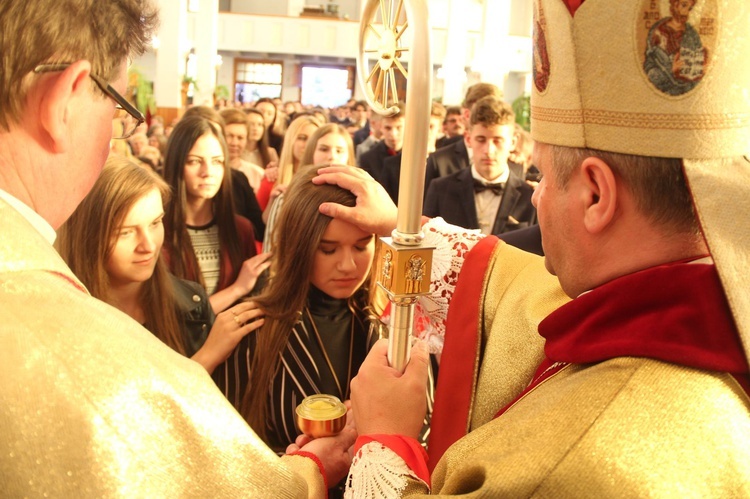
<point x="496" y="189"/>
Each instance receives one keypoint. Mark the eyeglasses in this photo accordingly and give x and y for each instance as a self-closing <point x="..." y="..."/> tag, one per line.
<point x="126" y="113"/>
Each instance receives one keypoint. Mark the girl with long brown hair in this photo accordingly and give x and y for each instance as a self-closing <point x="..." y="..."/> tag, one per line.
<point x="317" y="330"/>
<point x="257" y="149"/>
<point x="274" y="128"/>
<point x="113" y="241"/>
<point x="206" y="241"/>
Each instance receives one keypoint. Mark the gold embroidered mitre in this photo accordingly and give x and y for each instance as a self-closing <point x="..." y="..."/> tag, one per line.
<point x="616" y="76"/>
<point x="666" y="78"/>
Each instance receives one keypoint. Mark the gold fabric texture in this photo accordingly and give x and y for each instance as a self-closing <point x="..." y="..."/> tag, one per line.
<point x="628" y="427"/>
<point x="93" y="405"/>
<point x="599" y="94"/>
<point x="613" y="429"/>
<point x="721" y="198"/>
<point x="519" y="293"/>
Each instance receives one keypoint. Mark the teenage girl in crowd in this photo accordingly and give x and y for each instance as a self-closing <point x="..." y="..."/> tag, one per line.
<point x="257" y="150"/>
<point x="271" y="126"/>
<point x="330" y="144"/>
<point x="245" y="203"/>
<point x="316" y="332"/>
<point x="206" y="241"/>
<point x="113" y="242"/>
<point x="295" y="140"/>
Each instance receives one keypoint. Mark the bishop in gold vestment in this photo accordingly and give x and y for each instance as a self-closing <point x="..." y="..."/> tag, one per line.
<point x="644" y="386"/>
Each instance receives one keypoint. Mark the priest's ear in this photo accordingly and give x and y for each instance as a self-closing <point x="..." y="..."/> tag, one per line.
<point x="598" y="194"/>
<point x="60" y="99"/>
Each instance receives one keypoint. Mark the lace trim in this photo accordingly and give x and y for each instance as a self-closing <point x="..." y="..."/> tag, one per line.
<point x="451" y="244"/>
<point x="377" y="472"/>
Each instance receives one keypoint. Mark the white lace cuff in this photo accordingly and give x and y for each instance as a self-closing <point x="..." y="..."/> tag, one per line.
<point x="378" y="472"/>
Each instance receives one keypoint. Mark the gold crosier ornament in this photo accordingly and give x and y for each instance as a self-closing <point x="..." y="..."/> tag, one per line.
<point x="403" y="263"/>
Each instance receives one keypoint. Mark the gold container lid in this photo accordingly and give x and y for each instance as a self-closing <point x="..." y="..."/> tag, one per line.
<point x="321" y="407"/>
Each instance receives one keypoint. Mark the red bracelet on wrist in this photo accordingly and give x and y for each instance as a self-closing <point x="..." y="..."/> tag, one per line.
<point x="317" y="461"/>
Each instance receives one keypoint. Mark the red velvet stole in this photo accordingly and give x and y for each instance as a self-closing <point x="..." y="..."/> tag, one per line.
<point x="455" y="386"/>
<point x="675" y="313"/>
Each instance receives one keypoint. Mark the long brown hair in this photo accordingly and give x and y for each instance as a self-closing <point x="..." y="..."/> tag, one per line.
<point x="183" y="262"/>
<point x="300" y="229"/>
<point x="278" y="124"/>
<point x="262" y="144"/>
<point x="86" y="242"/>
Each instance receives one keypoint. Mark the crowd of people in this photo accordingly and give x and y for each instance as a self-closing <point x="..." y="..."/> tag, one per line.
<point x="173" y="291"/>
<point x="256" y="149"/>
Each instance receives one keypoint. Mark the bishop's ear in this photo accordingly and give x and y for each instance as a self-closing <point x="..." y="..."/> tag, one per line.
<point x="599" y="194"/>
<point x="65" y="98"/>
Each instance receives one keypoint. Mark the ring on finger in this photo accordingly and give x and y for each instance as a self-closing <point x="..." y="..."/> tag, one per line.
<point x="237" y="320"/>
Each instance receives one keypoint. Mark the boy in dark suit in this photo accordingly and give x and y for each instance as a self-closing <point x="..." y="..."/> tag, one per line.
<point x="454" y="156"/>
<point x="390" y="176"/>
<point x="489" y="195"/>
<point x="393" y="140"/>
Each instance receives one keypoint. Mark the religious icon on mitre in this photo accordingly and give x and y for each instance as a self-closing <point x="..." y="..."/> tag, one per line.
<point x="674" y="37"/>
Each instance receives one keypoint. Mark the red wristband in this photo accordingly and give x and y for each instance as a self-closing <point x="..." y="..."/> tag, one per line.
<point x="407" y="448"/>
<point x="317" y="461"/>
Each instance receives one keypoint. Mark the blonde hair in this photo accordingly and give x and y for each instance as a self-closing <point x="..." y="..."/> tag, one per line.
<point x="328" y="128"/>
<point x="119" y="147"/>
<point x="287" y="168"/>
<point x="438" y="110"/>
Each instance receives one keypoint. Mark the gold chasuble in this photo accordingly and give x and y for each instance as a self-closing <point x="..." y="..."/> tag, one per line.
<point x="557" y="442"/>
<point x="629" y="426"/>
<point x="93" y="405"/>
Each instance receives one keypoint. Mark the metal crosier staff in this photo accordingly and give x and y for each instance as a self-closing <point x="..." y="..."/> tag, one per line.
<point x="403" y="264"/>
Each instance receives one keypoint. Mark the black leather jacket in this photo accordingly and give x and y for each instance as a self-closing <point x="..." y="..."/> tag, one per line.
<point x="195" y="309"/>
